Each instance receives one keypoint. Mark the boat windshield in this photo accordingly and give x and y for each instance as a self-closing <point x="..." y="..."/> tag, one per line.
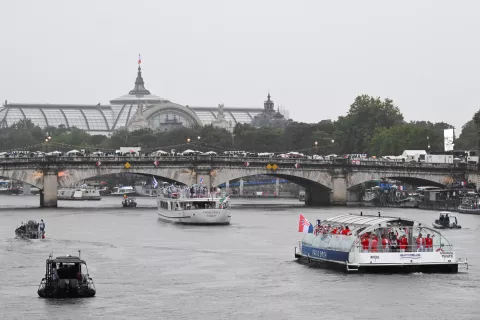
<point x="69" y="270"/>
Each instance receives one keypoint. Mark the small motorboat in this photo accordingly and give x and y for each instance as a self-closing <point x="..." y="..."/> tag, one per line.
<point x="66" y="277"/>
<point x="30" y="230"/>
<point x="446" y="220"/>
<point x="129" y="203"/>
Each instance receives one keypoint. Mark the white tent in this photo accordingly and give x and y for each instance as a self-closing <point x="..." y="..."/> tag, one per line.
<point x="72" y="151"/>
<point x="161" y="152"/>
<point x="189" y="151"/>
<point x="209" y="152"/>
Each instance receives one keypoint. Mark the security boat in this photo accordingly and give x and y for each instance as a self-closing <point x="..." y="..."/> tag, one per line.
<point x="378" y="244"/>
<point x="66" y="276"/>
<point x="443" y="223"/>
<point x="199" y="208"/>
<point x="30" y="230"/>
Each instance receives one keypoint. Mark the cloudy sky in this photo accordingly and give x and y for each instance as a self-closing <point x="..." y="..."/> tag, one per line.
<point x="314" y="56"/>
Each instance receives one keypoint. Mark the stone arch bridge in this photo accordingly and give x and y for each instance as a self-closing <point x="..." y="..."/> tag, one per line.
<point x="326" y="182"/>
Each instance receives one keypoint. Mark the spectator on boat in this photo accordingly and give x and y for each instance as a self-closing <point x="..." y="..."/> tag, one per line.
<point x="365" y="242"/>
<point x="54" y="272"/>
<point x="393" y="243"/>
<point x="447" y="221"/>
<point x="385" y="243"/>
<point x="403" y="243"/>
<point x="420" y="243"/>
<point x="374" y="242"/>
<point x="429" y="243"/>
<point x="334" y="231"/>
<point x="42" y="226"/>
<point x="442" y="219"/>
<point x="346" y="231"/>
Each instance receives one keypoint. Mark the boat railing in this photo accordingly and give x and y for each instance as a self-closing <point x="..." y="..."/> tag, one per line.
<point x="185" y="194"/>
<point x="444" y="249"/>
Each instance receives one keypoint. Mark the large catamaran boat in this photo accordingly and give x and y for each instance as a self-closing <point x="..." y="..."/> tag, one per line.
<point x="188" y="208"/>
<point x="378" y="244"/>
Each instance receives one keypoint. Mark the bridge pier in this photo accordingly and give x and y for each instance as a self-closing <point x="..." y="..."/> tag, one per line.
<point x="339" y="190"/>
<point x="48" y="196"/>
<point x="27" y="189"/>
<point x="227" y="187"/>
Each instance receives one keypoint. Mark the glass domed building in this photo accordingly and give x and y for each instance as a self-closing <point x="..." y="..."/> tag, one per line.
<point x="136" y="110"/>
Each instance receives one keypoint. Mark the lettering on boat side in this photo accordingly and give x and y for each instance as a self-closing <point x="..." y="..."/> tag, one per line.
<point x="447" y="254"/>
<point x="375" y="257"/>
<point x="319" y="254"/>
<point x="410" y="255"/>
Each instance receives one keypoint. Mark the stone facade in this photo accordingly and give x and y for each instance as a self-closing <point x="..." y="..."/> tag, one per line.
<point x="269" y="117"/>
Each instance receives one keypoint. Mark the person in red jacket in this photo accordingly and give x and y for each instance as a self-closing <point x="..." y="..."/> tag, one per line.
<point x="334" y="231"/>
<point x="365" y="243"/>
<point x="403" y="243"/>
<point x="346" y="231"/>
<point x="385" y="244"/>
<point x="429" y="243"/>
<point x="420" y="243"/>
<point x="374" y="243"/>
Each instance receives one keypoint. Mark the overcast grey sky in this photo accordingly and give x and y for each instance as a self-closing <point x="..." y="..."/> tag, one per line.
<point x="314" y="57"/>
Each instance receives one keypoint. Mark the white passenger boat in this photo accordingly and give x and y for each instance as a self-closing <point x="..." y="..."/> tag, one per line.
<point x="78" y="194"/>
<point x="121" y="191"/>
<point x="204" y="209"/>
<point x="379" y="244"/>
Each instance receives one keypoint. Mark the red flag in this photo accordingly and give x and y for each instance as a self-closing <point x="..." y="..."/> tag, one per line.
<point x="246" y="164"/>
<point x="297" y="165"/>
<point x="139" y="59"/>
<point x="98" y="163"/>
<point x="156" y="162"/>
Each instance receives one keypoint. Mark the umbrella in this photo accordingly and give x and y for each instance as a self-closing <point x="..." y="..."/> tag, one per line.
<point x="189" y="151"/>
<point x="209" y="152"/>
<point x="161" y="151"/>
<point x="72" y="151"/>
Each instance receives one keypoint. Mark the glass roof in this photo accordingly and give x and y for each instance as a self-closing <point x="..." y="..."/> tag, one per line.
<point x="101" y="119"/>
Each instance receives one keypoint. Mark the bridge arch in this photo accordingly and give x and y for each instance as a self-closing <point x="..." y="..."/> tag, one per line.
<point x="421" y="178"/>
<point x="304" y="178"/>
<point x="182" y="176"/>
<point x="28" y="176"/>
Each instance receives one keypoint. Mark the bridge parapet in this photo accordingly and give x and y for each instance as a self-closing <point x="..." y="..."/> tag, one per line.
<point x="320" y="176"/>
<point x="237" y="161"/>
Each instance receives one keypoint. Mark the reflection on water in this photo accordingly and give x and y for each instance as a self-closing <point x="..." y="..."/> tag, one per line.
<point x="147" y="269"/>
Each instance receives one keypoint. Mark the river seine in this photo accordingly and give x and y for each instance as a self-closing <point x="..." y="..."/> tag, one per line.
<point x="147" y="269"/>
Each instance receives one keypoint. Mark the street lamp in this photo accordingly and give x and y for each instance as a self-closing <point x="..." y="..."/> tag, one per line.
<point x="188" y="140"/>
<point x="428" y="143"/>
<point x="316" y="147"/>
<point x="198" y="137"/>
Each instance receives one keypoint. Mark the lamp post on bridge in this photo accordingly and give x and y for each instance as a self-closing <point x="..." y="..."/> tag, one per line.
<point x="48" y="137"/>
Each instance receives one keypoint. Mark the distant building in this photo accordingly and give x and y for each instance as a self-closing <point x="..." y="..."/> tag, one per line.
<point x="136" y="110"/>
<point x="269" y="117"/>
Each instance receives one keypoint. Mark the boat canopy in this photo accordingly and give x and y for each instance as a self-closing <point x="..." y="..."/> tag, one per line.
<point x="368" y="222"/>
<point x="68" y="259"/>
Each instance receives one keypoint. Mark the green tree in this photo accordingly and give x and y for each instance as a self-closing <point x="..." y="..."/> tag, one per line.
<point x="355" y="130"/>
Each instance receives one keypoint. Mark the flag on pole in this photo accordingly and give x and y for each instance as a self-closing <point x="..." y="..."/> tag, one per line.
<point x="139" y="59"/>
<point x="155" y="183"/>
<point x="304" y="225"/>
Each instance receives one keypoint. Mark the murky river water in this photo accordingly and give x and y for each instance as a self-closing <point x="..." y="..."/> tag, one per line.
<point x="147" y="269"/>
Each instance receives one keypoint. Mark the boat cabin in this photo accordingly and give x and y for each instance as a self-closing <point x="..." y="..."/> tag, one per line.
<point x="66" y="275"/>
<point x="366" y="233"/>
<point x="190" y="204"/>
